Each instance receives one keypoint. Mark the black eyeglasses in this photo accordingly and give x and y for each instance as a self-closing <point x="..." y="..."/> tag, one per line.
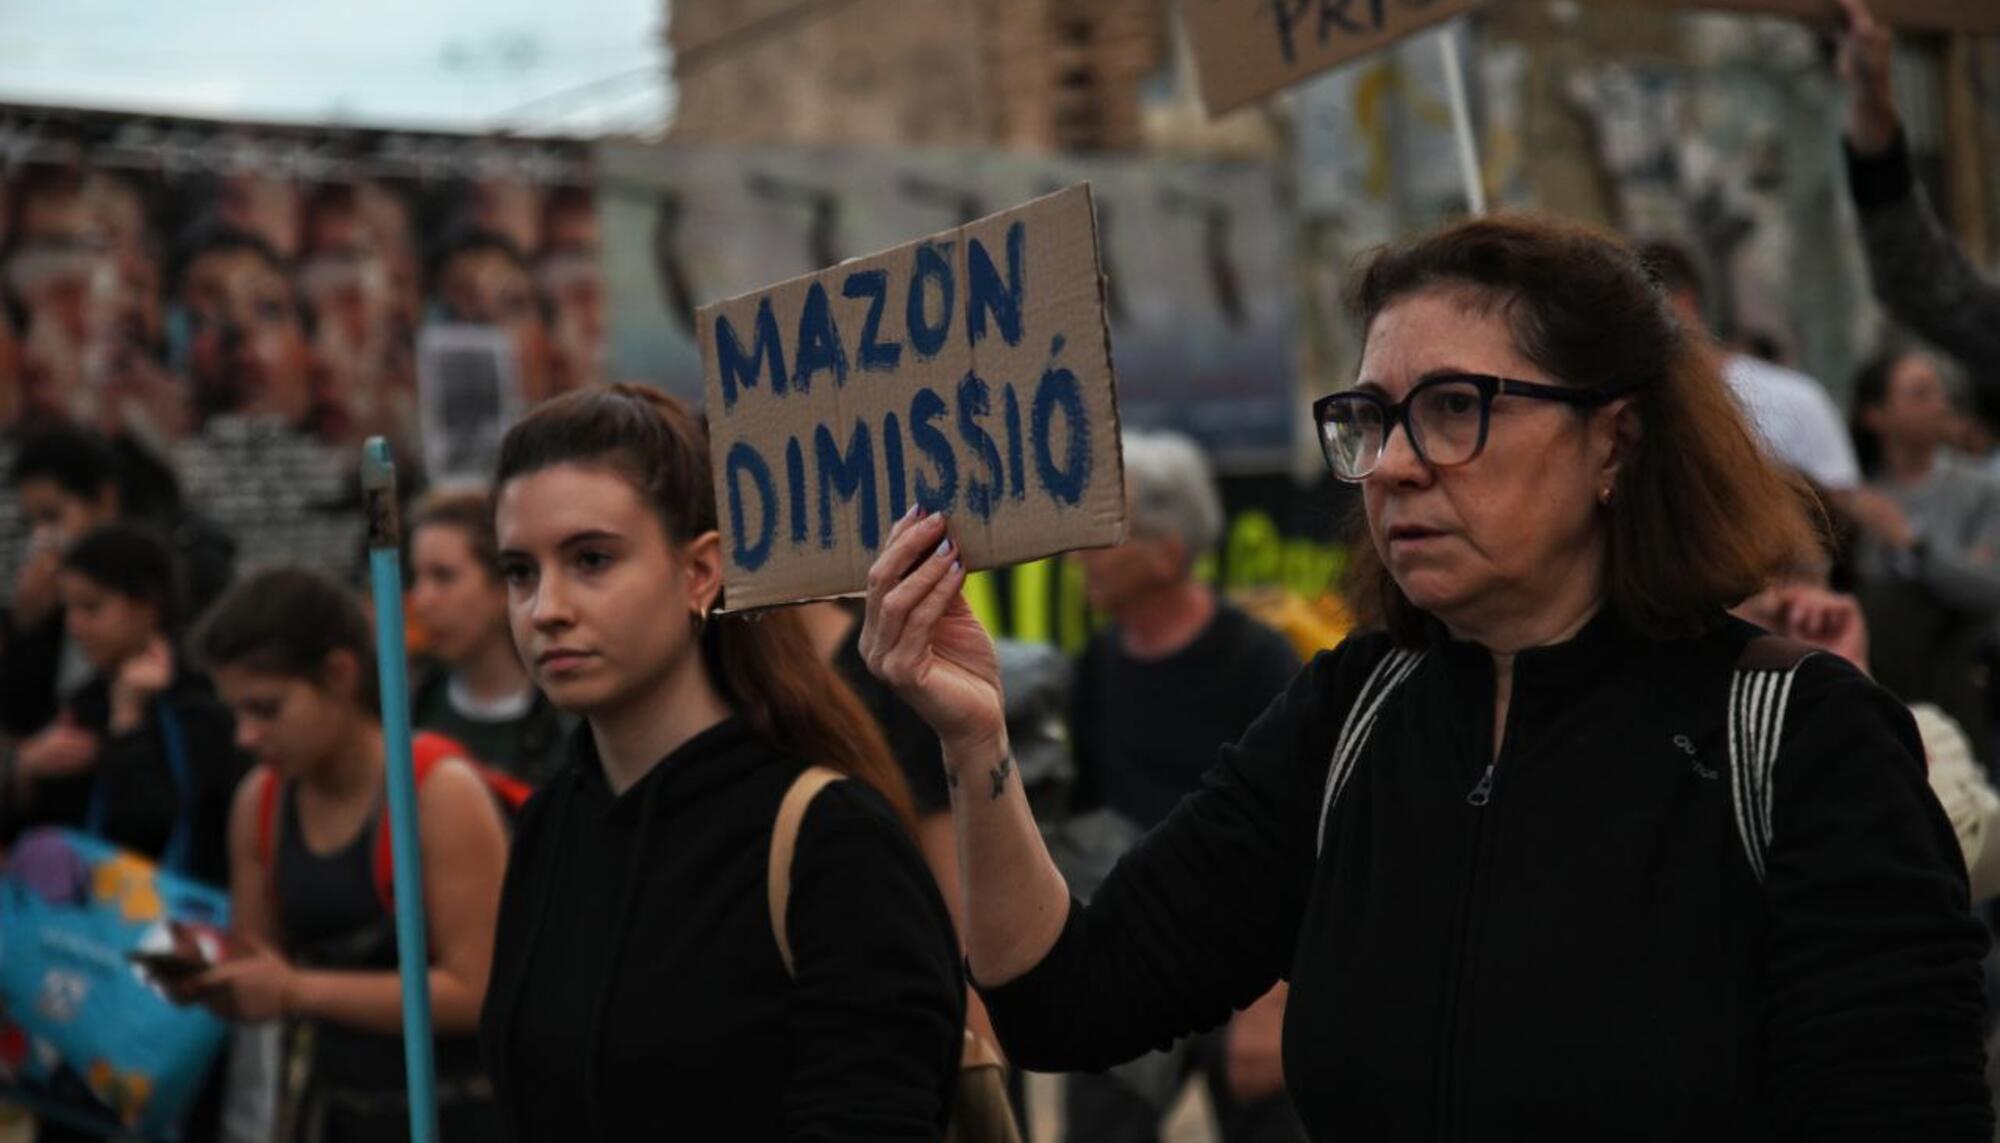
<point x="1445" y="416"/>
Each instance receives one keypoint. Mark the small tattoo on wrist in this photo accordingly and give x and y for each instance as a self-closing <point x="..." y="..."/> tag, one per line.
<point x="1000" y="773"/>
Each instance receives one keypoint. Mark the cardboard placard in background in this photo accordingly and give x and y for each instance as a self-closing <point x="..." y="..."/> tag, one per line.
<point x="1917" y="15"/>
<point x="1247" y="49"/>
<point x="969" y="372"/>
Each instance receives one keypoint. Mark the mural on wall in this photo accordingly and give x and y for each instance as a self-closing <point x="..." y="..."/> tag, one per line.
<point x="246" y="304"/>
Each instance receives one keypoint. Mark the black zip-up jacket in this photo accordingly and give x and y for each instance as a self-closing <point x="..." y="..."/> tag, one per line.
<point x="637" y="991"/>
<point x="1570" y="944"/>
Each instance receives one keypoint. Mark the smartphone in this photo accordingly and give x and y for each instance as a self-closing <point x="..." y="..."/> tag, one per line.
<point x="169" y="966"/>
<point x="195" y="949"/>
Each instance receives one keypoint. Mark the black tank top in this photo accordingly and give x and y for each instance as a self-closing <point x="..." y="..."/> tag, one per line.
<point x="326" y="901"/>
<point x="331" y="918"/>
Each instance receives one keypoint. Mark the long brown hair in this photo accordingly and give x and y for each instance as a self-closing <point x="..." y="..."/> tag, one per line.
<point x="764" y="663"/>
<point x="1702" y="518"/>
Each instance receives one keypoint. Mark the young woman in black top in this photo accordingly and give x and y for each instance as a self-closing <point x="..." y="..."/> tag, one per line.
<point x="638" y="989"/>
<point x="293" y="655"/>
<point x="143" y="755"/>
<point x="1553" y="848"/>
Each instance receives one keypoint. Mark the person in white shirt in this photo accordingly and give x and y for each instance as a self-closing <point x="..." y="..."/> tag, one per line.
<point x="1792" y="412"/>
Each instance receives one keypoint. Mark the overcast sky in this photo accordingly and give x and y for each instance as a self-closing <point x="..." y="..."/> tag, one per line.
<point x="564" y="66"/>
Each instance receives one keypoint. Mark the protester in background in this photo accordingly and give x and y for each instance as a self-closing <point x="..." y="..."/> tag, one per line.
<point x="66" y="481"/>
<point x="1179" y="674"/>
<point x="1920" y="274"/>
<point x="639" y="985"/>
<point x="69" y="480"/>
<point x="1498" y="845"/>
<point x="292" y="654"/>
<point x="143" y="754"/>
<point x="1790" y="410"/>
<point x="474" y="689"/>
<point x="1929" y="562"/>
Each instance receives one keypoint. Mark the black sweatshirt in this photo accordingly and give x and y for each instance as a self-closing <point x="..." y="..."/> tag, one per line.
<point x="1146" y="730"/>
<point x="1585" y="955"/>
<point x="637" y="990"/>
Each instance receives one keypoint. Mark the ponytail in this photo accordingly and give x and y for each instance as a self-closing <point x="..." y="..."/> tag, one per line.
<point x="768" y="668"/>
<point x="764" y="663"/>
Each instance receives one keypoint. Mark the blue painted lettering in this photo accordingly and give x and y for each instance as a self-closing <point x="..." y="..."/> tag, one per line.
<point x="737" y="368"/>
<point x="744" y="460"/>
<point x="849" y="475"/>
<point x="871" y="355"/>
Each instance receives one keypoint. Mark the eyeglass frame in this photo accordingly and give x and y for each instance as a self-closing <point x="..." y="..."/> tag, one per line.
<point x="1489" y="386"/>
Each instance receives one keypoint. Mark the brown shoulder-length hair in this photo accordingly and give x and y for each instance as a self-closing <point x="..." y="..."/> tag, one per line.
<point x="764" y="663"/>
<point x="1701" y="518"/>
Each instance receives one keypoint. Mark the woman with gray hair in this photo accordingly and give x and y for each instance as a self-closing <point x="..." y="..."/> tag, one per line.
<point x="1169" y="489"/>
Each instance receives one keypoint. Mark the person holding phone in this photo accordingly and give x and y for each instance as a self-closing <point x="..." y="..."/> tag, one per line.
<point x="313" y="939"/>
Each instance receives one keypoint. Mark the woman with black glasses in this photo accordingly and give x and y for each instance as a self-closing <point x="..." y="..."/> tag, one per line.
<point x="1553" y="848"/>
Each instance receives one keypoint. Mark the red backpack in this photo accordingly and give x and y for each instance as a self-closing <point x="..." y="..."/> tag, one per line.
<point x="427" y="749"/>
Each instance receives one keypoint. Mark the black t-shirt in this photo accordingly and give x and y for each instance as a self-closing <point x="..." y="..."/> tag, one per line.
<point x="528" y="747"/>
<point x="911" y="739"/>
<point x="1147" y="730"/>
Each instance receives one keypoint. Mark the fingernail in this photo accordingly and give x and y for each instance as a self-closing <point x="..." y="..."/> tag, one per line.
<point x="920" y="511"/>
<point x="943" y="547"/>
<point x="911" y="514"/>
<point x="957" y="567"/>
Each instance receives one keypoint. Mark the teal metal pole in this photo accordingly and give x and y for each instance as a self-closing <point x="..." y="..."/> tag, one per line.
<point x="378" y="490"/>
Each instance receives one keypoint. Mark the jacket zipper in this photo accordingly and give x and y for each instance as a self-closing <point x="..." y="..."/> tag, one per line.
<point x="1483" y="792"/>
<point x="1450" y="1095"/>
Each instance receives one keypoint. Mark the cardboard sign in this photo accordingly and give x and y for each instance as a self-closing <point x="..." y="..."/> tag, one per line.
<point x="1247" y="49"/>
<point x="1925" y="15"/>
<point x="969" y="373"/>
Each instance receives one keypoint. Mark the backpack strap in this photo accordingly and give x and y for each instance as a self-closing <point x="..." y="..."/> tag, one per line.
<point x="179" y="854"/>
<point x="268" y="802"/>
<point x="267" y="818"/>
<point x="427" y="749"/>
<point x="1760" y="688"/>
<point x="784" y="840"/>
<point x="1388" y="674"/>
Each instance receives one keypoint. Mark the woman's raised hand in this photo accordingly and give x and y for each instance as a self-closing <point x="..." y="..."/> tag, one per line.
<point x="921" y="638"/>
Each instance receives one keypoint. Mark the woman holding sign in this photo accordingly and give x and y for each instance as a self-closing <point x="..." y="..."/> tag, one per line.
<point x="1555" y="849"/>
<point x="664" y="969"/>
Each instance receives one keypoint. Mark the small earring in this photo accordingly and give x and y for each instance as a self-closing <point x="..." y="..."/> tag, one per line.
<point x="1605" y="495"/>
<point x="700" y="615"/>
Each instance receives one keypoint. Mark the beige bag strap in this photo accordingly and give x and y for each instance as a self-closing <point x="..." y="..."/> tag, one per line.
<point x="785" y="839"/>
